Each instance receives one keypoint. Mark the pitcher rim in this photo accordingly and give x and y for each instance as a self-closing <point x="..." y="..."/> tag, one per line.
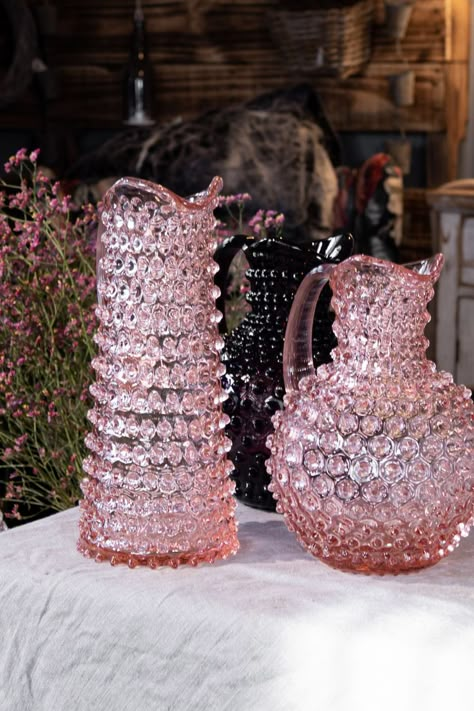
<point x="309" y="247"/>
<point x="436" y="263"/>
<point x="200" y="200"/>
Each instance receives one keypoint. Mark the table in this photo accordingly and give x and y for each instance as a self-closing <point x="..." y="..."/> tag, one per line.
<point x="272" y="629"/>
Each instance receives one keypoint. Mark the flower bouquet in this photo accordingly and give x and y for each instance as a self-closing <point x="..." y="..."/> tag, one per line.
<point x="47" y="296"/>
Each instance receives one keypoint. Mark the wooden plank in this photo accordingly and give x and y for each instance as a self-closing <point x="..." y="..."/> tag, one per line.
<point x="416" y="241"/>
<point x="437" y="159"/>
<point x="457" y="106"/>
<point x="457" y="82"/>
<point x="224" y="24"/>
<point x="459" y="28"/>
<point x="443" y="150"/>
<point x="425" y="40"/>
<point x="355" y="104"/>
<point x="366" y="104"/>
<point x="187" y="90"/>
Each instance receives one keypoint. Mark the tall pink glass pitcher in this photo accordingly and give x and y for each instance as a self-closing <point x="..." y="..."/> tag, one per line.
<point x="373" y="456"/>
<point x="157" y="490"/>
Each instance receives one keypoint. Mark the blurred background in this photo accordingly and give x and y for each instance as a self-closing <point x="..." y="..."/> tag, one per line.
<point x="117" y="86"/>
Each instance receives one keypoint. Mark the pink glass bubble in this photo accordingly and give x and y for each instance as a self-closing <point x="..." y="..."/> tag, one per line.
<point x="157" y="490"/>
<point x="373" y="457"/>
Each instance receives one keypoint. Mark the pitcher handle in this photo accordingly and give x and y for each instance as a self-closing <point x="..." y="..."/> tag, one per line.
<point x="224" y="256"/>
<point x="298" y="346"/>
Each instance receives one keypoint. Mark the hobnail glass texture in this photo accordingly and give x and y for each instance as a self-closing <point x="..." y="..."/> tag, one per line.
<point x="157" y="490"/>
<point x="253" y="351"/>
<point x="372" y="459"/>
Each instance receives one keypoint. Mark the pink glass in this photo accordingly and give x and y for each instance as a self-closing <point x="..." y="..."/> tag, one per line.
<point x="372" y="459"/>
<point x="157" y="490"/>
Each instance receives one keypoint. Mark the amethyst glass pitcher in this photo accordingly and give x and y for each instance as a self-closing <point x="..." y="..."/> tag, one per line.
<point x="253" y="352"/>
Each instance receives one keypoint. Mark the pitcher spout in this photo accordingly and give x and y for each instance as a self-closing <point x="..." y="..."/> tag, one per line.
<point x="128" y="188"/>
<point x="429" y="268"/>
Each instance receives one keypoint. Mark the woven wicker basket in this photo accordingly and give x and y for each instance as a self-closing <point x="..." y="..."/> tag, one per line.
<point x="334" y="40"/>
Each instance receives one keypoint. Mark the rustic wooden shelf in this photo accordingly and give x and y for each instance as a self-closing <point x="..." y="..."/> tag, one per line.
<point x="211" y="53"/>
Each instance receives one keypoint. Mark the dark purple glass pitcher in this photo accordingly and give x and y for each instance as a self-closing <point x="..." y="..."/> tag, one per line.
<point x="253" y="351"/>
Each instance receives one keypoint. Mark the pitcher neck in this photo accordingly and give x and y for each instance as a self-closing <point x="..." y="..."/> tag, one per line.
<point x="381" y="314"/>
<point x="380" y="354"/>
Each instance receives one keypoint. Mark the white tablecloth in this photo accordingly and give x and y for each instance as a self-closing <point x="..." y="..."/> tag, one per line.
<point x="271" y="629"/>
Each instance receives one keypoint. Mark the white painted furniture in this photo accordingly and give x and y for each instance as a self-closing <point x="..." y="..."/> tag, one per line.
<point x="452" y="208"/>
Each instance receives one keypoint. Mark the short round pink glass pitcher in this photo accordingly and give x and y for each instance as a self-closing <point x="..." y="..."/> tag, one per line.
<point x="157" y="490"/>
<point x="372" y="458"/>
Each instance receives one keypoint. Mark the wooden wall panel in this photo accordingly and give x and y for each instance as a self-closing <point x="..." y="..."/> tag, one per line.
<point x="212" y="53"/>
<point x="209" y="53"/>
<point x="417" y="241"/>
<point x="426" y="39"/>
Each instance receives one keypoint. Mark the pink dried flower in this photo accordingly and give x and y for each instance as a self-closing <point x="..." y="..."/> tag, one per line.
<point x="267" y="222"/>
<point x="19" y="156"/>
<point x="47" y="300"/>
<point x="236" y="199"/>
<point x="20" y="441"/>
